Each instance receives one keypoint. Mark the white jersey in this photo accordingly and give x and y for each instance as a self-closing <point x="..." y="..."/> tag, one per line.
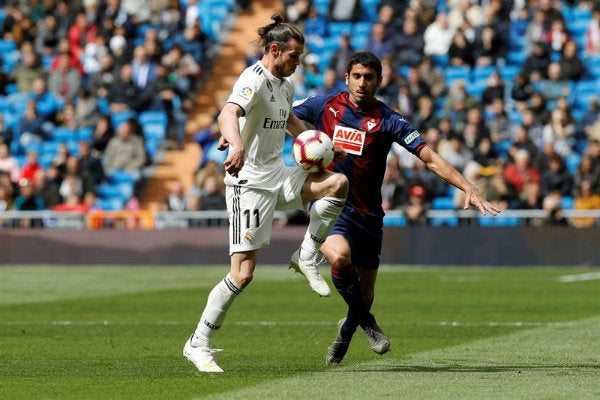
<point x="267" y="103"/>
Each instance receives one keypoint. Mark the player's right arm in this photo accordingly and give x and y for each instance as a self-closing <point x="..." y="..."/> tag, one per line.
<point x="230" y="131"/>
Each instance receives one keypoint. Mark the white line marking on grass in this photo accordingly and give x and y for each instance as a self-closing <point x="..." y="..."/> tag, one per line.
<point x="504" y="324"/>
<point x="590" y="276"/>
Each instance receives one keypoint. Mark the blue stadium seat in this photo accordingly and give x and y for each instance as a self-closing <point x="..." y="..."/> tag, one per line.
<point x="62" y="134"/>
<point x="488" y="220"/>
<point x="362" y="28"/>
<point x="508" y="72"/>
<point x="444" y="221"/>
<point x="394" y="221"/>
<point x="153" y="117"/>
<point x="85" y="133"/>
<point x="110" y="204"/>
<point x="454" y="73"/>
<point x="567" y="202"/>
<point x="336" y="29"/>
<point x="322" y="7"/>
<point x="516" y="57"/>
<point x="443" y="203"/>
<point x="118" y="117"/>
<point x="572" y="162"/>
<point x="154" y="131"/>
<point x="483" y="72"/>
<point x="120" y="176"/>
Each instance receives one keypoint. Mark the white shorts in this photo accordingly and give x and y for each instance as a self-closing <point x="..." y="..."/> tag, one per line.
<point x="251" y="210"/>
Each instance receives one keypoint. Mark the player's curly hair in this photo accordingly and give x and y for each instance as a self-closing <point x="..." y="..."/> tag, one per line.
<point x="279" y="32"/>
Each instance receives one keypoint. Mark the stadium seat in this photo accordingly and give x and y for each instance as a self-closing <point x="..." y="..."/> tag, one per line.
<point x="154" y="132"/>
<point x="85" y="133"/>
<point x="399" y="220"/>
<point x="336" y="29"/>
<point x="120" y="176"/>
<point x="572" y="162"/>
<point x="516" y="57"/>
<point x="118" y="117"/>
<point x="62" y="134"/>
<point x="567" y="202"/>
<point x="444" y="221"/>
<point x="110" y="204"/>
<point x="153" y="117"/>
<point x="443" y="203"/>
<point x="362" y="28"/>
<point x="483" y="72"/>
<point x="454" y="73"/>
<point x="488" y="220"/>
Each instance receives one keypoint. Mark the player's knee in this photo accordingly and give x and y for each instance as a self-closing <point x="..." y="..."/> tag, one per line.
<point x="243" y="278"/>
<point x="368" y="294"/>
<point x="338" y="185"/>
<point x="340" y="261"/>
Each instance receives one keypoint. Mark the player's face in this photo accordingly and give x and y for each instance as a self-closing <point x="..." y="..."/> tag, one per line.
<point x="287" y="60"/>
<point x="362" y="82"/>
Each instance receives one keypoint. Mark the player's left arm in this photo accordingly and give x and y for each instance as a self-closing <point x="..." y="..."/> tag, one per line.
<point x="294" y="125"/>
<point x="447" y="172"/>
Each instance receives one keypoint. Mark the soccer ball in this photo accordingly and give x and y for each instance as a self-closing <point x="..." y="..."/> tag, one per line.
<point x="313" y="150"/>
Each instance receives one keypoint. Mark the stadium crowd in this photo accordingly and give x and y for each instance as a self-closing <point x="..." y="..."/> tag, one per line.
<point x="77" y="79"/>
<point x="503" y="89"/>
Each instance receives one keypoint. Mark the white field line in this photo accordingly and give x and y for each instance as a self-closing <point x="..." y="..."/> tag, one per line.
<point x="589" y="276"/>
<point x="286" y="323"/>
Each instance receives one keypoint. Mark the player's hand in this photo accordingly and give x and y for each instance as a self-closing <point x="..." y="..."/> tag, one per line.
<point x="223" y="143"/>
<point x="339" y="154"/>
<point x="473" y="197"/>
<point x="234" y="161"/>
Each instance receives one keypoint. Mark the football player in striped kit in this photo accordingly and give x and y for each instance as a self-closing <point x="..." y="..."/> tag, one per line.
<point x="366" y="128"/>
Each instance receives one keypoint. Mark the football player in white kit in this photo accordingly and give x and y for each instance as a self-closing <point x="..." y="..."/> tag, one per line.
<point x="253" y="125"/>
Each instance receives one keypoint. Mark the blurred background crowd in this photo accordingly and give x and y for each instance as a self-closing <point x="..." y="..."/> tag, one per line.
<point x="505" y="90"/>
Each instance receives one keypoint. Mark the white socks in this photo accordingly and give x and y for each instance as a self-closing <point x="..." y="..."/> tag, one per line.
<point x="219" y="301"/>
<point x="323" y="214"/>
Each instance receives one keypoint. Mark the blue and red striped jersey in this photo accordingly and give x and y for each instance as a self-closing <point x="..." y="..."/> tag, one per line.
<point x="367" y="135"/>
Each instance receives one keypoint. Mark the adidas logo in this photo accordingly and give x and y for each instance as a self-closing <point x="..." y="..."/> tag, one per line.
<point x="272" y="99"/>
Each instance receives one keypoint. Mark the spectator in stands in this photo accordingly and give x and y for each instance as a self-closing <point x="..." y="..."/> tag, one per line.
<point x="422" y="176"/>
<point x="6" y="132"/>
<point x="340" y="57"/>
<point x="379" y="43"/>
<point x="494" y="89"/>
<point x="331" y="83"/>
<point x="560" y="130"/>
<point x="125" y="151"/>
<point x="520" y="171"/>
<point x="521" y="91"/>
<point x="30" y="126"/>
<point x="571" y="65"/>
<point x="123" y="93"/>
<point x="535" y="67"/>
<point x="539" y="108"/>
<point x="461" y="52"/>
<point x="424" y="117"/>
<point x="589" y="170"/>
<point x="408" y="44"/>
<point x="586" y="199"/>
<point x="193" y="42"/>
<point x="438" y="36"/>
<point x="142" y="68"/>
<point x="162" y="95"/>
<point x="81" y="33"/>
<point x="485" y="155"/>
<point x="176" y="199"/>
<point x="393" y="192"/>
<point x="28" y="200"/>
<point x="556" y="179"/>
<point x="47" y="184"/>
<point x="64" y="82"/>
<point x="47" y="38"/>
<point x="417" y="87"/>
<point x="554" y="212"/>
<point x="71" y="186"/>
<point x="99" y="82"/>
<point x="211" y="194"/>
<point x="390" y="84"/>
<point x="183" y="69"/>
<point x="433" y="76"/>
<point x="28" y="69"/>
<point x="497" y="121"/>
<point x="9" y="164"/>
<point x="5" y="202"/>
<point x="554" y="86"/>
<point x="89" y="164"/>
<point x="417" y="207"/>
<point x="345" y="10"/>
<point x="489" y="48"/>
<point x="465" y="13"/>
<point x="592" y="35"/>
<point x="297" y="12"/>
<point x="456" y="153"/>
<point x="120" y="51"/>
<point x="114" y="15"/>
<point x="92" y="53"/>
<point x="102" y="134"/>
<point x="522" y="140"/>
<point x="557" y="36"/>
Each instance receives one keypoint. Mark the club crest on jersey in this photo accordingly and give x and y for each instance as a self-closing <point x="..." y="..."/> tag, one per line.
<point x="350" y="139"/>
<point x="246" y="92"/>
<point x="371" y="124"/>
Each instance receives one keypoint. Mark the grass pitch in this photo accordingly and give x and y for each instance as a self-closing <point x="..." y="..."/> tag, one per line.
<point x="456" y="333"/>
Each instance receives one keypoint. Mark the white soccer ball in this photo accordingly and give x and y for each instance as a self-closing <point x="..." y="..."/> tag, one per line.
<point x="313" y="150"/>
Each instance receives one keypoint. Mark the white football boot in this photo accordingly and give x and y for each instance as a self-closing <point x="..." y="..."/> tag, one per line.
<point x="202" y="357"/>
<point x="309" y="269"/>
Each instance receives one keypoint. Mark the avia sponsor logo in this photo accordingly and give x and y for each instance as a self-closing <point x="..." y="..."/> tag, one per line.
<point x="350" y="139"/>
<point x="411" y="137"/>
<point x="211" y="326"/>
<point x="316" y="239"/>
<point x="274" y="124"/>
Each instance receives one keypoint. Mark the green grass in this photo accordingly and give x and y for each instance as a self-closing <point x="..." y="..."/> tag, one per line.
<point x="457" y="333"/>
